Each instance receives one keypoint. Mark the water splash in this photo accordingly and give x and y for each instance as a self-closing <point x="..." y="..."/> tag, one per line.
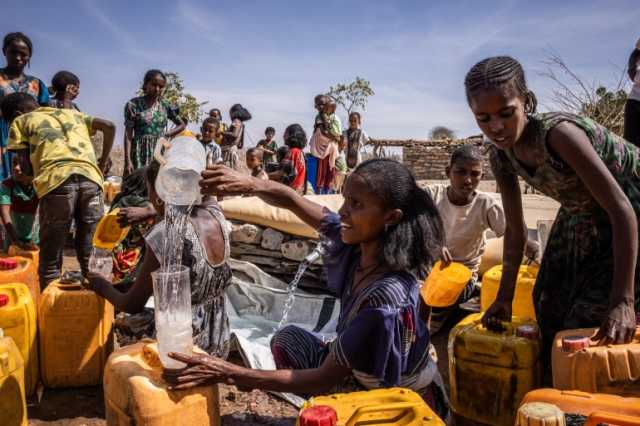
<point x="315" y="254"/>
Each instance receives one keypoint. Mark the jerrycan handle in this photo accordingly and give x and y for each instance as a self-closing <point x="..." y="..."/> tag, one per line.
<point x="162" y="143"/>
<point x="377" y="408"/>
<point x="602" y="417"/>
<point x="488" y="342"/>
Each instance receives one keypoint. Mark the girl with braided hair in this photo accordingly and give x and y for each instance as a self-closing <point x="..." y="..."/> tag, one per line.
<point x="386" y="233"/>
<point x="589" y="275"/>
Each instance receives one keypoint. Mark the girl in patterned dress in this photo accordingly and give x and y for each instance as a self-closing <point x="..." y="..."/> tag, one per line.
<point x="145" y="120"/>
<point x="386" y="234"/>
<point x="17" y="49"/>
<point x="588" y="276"/>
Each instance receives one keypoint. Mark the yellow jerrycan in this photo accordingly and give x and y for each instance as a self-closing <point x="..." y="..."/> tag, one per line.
<point x="20" y="269"/>
<point x="579" y="363"/>
<point x="490" y="372"/>
<point x="134" y="392"/>
<point x="391" y="407"/>
<point x="522" y="305"/>
<point x="13" y="404"/>
<point x="18" y="319"/>
<point x="75" y="335"/>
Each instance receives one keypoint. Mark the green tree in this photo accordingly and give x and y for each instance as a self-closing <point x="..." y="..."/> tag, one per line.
<point x="442" y="132"/>
<point x="352" y="95"/>
<point x="190" y="108"/>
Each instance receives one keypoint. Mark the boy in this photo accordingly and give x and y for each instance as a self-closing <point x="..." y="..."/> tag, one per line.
<point x="208" y="134"/>
<point x="466" y="214"/>
<point x="268" y="145"/>
<point x="254" y="163"/>
<point x="18" y="206"/>
<point x="54" y="147"/>
<point x="217" y="115"/>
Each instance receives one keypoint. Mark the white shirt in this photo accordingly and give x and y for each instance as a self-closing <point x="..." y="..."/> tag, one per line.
<point x="465" y="226"/>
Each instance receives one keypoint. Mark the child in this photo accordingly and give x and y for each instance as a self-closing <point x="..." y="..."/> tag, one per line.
<point x="54" y="147"/>
<point x="65" y="87"/>
<point x="387" y="230"/>
<point x="217" y="115"/>
<point x="341" y="167"/>
<point x="208" y="132"/>
<point x="268" y="145"/>
<point x="589" y="268"/>
<point x="282" y="171"/>
<point x="234" y="137"/>
<point x="296" y="139"/>
<point x="254" y="163"/>
<point x="324" y="144"/>
<point x="18" y="206"/>
<point x="355" y="139"/>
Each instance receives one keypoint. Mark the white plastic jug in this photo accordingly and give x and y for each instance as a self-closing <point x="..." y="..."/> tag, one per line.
<point x="184" y="159"/>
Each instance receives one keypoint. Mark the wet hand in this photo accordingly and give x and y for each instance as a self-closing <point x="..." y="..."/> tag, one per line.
<point x="498" y="312"/>
<point x="532" y="251"/>
<point x="95" y="282"/>
<point x="221" y="180"/>
<point x="132" y="215"/>
<point x="200" y="370"/>
<point x="619" y="326"/>
<point x="446" y="258"/>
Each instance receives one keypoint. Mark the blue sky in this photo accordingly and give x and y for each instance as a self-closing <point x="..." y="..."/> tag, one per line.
<point x="274" y="56"/>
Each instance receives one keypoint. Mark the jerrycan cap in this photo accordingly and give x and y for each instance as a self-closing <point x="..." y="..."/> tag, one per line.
<point x="320" y="415"/>
<point x="4" y="300"/>
<point x="575" y="343"/>
<point x="527" y="331"/>
<point x="8" y="264"/>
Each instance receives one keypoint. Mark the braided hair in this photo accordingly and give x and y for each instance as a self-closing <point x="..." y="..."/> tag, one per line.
<point x="17" y="36"/>
<point x="414" y="243"/>
<point x="500" y="72"/>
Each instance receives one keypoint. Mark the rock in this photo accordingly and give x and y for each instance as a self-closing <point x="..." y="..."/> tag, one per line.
<point x="296" y="249"/>
<point x="246" y="233"/>
<point x="272" y="239"/>
<point x="238" y="249"/>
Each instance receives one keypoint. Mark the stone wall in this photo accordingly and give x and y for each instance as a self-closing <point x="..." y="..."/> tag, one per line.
<point x="428" y="159"/>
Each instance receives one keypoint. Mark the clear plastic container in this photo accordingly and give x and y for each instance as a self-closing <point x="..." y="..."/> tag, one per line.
<point x="172" y="299"/>
<point x="101" y="262"/>
<point x="177" y="181"/>
<point x="444" y="285"/>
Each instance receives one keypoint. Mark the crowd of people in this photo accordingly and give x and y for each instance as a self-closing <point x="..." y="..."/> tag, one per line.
<point x="380" y="245"/>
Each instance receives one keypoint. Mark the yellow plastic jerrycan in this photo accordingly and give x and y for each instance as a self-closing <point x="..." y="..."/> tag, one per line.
<point x="491" y="372"/>
<point x="444" y="285"/>
<point x="75" y="335"/>
<point x="523" y="298"/>
<point x="13" y="404"/>
<point x="578" y="363"/>
<point x="393" y="407"/>
<point x="109" y="233"/>
<point x="19" y="269"/>
<point x="134" y="392"/>
<point x="18" y="319"/>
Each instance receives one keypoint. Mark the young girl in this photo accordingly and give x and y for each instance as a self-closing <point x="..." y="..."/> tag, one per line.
<point x="234" y="137"/>
<point x="588" y="272"/>
<point x="387" y="230"/>
<point x="296" y="139"/>
<point x="632" y="107"/>
<point x="327" y="131"/>
<point x="65" y="87"/>
<point x="205" y="253"/>
<point x="17" y="50"/>
<point x="145" y="120"/>
<point x="355" y="139"/>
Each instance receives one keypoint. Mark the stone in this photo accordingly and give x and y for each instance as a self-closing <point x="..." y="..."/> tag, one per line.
<point x="250" y="249"/>
<point x="272" y="239"/>
<point x="296" y="249"/>
<point x="246" y="233"/>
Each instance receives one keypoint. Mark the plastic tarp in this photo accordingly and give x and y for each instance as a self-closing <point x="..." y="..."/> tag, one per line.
<point x="255" y="302"/>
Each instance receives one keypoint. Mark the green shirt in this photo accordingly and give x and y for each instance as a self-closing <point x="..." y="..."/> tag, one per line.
<point x="23" y="222"/>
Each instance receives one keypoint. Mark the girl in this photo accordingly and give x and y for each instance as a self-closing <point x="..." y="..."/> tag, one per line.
<point x="588" y="272"/>
<point x="65" y="87"/>
<point x="355" y="139"/>
<point x="145" y="120"/>
<point x="632" y="107"/>
<point x="17" y="49"/>
<point x="387" y="230"/>
<point x="234" y="137"/>
<point x="205" y="253"/>
<point x="296" y="139"/>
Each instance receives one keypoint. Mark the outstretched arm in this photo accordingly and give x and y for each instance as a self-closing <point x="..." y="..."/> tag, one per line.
<point x="221" y="180"/>
<point x="108" y="130"/>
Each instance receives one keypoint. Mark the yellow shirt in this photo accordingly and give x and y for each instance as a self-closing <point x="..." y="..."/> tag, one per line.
<point x="59" y="145"/>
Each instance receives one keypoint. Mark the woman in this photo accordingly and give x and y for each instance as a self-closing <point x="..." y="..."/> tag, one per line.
<point x="632" y="107"/>
<point x="233" y="139"/>
<point x="145" y="120"/>
<point x="589" y="275"/>
<point x="205" y="253"/>
<point x="387" y="230"/>
<point x="17" y="49"/>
